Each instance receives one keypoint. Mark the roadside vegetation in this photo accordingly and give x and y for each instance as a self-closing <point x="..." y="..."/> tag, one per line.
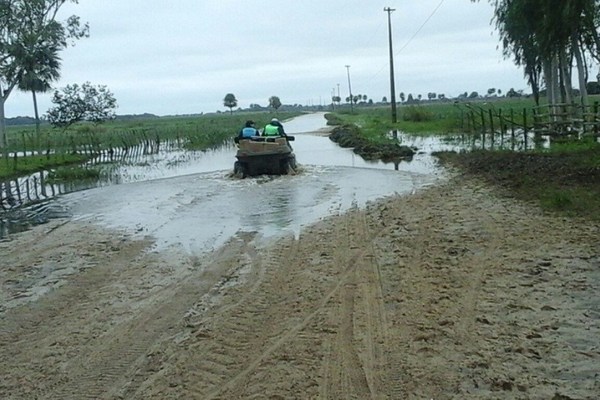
<point x="549" y="42"/>
<point x="440" y="117"/>
<point x="564" y="177"/>
<point x="83" y="141"/>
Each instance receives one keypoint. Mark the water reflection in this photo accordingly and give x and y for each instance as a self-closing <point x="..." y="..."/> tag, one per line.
<point x="200" y="212"/>
<point x="269" y="206"/>
<point x="519" y="140"/>
<point x="22" y="219"/>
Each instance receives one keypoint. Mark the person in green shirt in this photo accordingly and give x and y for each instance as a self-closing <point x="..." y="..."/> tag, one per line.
<point x="274" y="128"/>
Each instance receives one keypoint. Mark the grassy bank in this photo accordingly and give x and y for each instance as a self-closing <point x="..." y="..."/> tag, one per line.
<point x="433" y="118"/>
<point x="565" y="179"/>
<point x="34" y="163"/>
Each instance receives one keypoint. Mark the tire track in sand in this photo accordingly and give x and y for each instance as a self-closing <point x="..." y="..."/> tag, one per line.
<point x="355" y="358"/>
<point x="249" y="325"/>
<point x="88" y="363"/>
<point x="308" y="327"/>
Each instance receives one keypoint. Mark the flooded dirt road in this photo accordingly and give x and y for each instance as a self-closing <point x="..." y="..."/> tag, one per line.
<point x="448" y="292"/>
<point x="200" y="205"/>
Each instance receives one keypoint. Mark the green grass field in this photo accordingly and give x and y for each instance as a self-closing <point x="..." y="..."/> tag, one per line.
<point x="434" y="118"/>
<point x="87" y="140"/>
<point x="563" y="178"/>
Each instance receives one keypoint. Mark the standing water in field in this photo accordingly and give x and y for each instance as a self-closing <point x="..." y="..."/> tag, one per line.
<point x="190" y="199"/>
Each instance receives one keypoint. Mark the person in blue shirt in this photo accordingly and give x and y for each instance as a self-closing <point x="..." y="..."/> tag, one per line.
<point x="248" y="130"/>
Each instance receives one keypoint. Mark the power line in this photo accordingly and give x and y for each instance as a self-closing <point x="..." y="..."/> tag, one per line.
<point x="435" y="10"/>
<point x="421" y="27"/>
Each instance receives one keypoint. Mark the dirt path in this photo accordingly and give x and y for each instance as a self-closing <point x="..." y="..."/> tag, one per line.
<point x="452" y="292"/>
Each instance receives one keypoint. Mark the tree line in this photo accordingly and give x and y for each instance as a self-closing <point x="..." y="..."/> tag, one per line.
<point x="230" y="101"/>
<point x="549" y="39"/>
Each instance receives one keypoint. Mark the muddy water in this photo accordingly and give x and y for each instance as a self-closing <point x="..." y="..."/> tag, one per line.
<point x="198" y="205"/>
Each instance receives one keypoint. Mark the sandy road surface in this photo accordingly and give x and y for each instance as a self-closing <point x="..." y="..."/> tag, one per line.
<point x="452" y="292"/>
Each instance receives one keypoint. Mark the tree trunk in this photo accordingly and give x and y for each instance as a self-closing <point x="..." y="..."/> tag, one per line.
<point x="548" y="80"/>
<point x="3" y="138"/>
<point x="580" y="73"/>
<point x="552" y="91"/>
<point x="534" y="80"/>
<point x="37" y="116"/>
<point x="4" y="93"/>
<point x="536" y="93"/>
<point x="565" y="78"/>
<point x="555" y="79"/>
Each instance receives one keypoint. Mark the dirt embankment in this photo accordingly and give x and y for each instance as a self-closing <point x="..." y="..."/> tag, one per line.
<point x="349" y="136"/>
<point x="451" y="293"/>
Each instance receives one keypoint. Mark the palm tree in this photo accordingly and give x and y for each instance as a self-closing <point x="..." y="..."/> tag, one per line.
<point x="27" y="27"/>
<point x="39" y="66"/>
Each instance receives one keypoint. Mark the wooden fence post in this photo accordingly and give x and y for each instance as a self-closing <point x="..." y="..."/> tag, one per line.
<point x="491" y="128"/>
<point x="512" y="128"/>
<point x="525" y="128"/>
<point x="596" y="121"/>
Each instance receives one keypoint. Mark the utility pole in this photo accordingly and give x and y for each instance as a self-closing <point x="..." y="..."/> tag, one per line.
<point x="350" y="89"/>
<point x="392" y="88"/>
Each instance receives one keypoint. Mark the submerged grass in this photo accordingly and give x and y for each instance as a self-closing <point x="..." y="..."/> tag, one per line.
<point x="67" y="174"/>
<point x="34" y="163"/>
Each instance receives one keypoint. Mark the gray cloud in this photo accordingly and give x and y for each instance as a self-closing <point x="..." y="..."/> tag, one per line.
<point x="183" y="56"/>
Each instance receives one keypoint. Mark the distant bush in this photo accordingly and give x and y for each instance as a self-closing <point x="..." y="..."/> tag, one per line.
<point x="416" y="114"/>
<point x="333" y="119"/>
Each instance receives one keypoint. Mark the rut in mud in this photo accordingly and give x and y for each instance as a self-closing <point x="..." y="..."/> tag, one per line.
<point x="451" y="292"/>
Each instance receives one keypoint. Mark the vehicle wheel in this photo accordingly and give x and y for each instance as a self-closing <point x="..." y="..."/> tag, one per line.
<point x="288" y="166"/>
<point x="292" y="163"/>
<point x="284" y="167"/>
<point x="239" y="170"/>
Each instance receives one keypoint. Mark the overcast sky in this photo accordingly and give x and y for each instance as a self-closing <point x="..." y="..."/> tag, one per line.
<point x="184" y="56"/>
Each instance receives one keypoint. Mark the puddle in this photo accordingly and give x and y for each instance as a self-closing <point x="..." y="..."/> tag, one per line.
<point x="200" y="212"/>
